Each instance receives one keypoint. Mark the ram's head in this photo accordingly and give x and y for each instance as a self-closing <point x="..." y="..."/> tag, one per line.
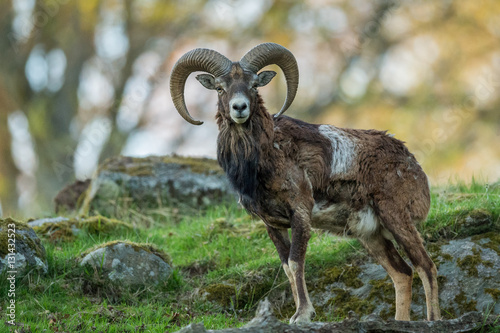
<point x="235" y="82"/>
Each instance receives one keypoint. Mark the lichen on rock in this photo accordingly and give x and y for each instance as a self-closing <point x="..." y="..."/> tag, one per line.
<point x="129" y="264"/>
<point x="28" y="252"/>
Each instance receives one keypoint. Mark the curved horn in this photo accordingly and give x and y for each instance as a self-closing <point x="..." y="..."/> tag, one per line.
<point x="205" y="60"/>
<point x="271" y="53"/>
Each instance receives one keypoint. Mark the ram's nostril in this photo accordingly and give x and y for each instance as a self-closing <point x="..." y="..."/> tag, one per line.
<point x="239" y="107"/>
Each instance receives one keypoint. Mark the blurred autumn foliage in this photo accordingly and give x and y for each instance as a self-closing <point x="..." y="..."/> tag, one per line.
<point x="84" y="80"/>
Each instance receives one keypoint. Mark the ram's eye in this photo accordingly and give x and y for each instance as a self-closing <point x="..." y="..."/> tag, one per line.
<point x="219" y="90"/>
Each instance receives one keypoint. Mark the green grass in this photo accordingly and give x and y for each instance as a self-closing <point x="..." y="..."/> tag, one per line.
<point x="452" y="204"/>
<point x="222" y="251"/>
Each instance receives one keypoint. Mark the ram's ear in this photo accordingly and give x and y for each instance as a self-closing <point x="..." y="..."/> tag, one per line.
<point x="207" y="80"/>
<point x="265" y="77"/>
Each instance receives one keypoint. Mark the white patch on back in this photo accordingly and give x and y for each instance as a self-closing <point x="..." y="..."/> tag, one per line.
<point x="344" y="149"/>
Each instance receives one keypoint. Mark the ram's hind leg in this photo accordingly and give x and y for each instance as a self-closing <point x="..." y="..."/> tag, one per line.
<point x="407" y="236"/>
<point x="383" y="251"/>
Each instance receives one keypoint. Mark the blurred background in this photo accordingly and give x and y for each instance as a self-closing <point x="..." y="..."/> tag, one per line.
<point x="83" y="80"/>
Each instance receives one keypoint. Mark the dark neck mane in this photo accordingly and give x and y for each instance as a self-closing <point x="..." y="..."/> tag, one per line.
<point x="243" y="151"/>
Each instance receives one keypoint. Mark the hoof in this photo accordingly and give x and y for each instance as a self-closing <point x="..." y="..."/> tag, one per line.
<point x="303" y="316"/>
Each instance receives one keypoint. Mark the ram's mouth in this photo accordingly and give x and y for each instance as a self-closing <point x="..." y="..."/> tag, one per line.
<point x="240" y="120"/>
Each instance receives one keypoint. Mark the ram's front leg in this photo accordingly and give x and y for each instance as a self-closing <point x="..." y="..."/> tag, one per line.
<point x="301" y="232"/>
<point x="294" y="270"/>
<point x="281" y="240"/>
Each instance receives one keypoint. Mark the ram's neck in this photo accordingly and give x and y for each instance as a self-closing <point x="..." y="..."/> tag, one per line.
<point x="244" y="152"/>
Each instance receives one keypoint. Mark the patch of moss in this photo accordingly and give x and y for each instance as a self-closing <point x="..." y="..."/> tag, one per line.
<point x="469" y="263"/>
<point x="343" y="302"/>
<point x="254" y="286"/>
<point x="101" y="224"/>
<point x="220" y="226"/>
<point x="221" y="293"/>
<point x="347" y="275"/>
<point x="9" y="220"/>
<point x="254" y="290"/>
<point x="386" y="314"/>
<point x="433" y="247"/>
<point x="198" y="165"/>
<point x="19" y="226"/>
<point x="493" y="243"/>
<point x="465" y="305"/>
<point x="136" y="246"/>
<point x="136" y="166"/>
<point x="495" y="293"/>
<point x="447" y="257"/>
<point x="383" y="290"/>
<point x="473" y="222"/>
<point x="441" y="279"/>
<point x="63" y="231"/>
<point x="448" y="313"/>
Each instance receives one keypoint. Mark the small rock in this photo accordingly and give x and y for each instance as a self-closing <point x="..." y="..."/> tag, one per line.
<point x="129" y="264"/>
<point x="28" y="252"/>
<point x="40" y="222"/>
<point x="193" y="328"/>
<point x="475" y="222"/>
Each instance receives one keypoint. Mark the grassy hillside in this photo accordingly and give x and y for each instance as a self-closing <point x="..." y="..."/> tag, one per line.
<point x="224" y="264"/>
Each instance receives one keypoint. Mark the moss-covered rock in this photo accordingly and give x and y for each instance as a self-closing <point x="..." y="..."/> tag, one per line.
<point x="468" y="280"/>
<point x="128" y="264"/>
<point x="222" y="293"/>
<point x="464" y="223"/>
<point x="153" y="182"/>
<point x="20" y="248"/>
<point x="65" y="229"/>
<point x="347" y="275"/>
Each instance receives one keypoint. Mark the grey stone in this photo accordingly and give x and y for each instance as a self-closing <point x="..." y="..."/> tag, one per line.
<point x="29" y="252"/>
<point x="468" y="271"/>
<point x="128" y="264"/>
<point x="40" y="222"/>
<point x="154" y="182"/>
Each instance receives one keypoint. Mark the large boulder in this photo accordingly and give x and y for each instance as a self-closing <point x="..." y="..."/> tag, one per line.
<point x="20" y="248"/>
<point x="153" y="182"/>
<point x="467" y="276"/>
<point x="129" y="264"/>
